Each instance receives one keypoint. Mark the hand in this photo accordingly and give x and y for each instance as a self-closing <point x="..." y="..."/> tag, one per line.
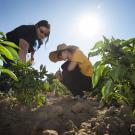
<point x="32" y="61"/>
<point x="58" y="75"/>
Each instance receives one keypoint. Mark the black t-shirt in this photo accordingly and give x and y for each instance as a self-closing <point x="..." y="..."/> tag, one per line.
<point x="26" y="32"/>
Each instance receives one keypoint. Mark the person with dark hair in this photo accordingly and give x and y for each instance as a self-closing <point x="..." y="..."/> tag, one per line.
<point x="28" y="38"/>
<point x="76" y="71"/>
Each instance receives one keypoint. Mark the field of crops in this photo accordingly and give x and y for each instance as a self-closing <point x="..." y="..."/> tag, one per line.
<point x="34" y="102"/>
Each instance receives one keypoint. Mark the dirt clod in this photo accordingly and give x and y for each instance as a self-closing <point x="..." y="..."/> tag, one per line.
<point x="77" y="108"/>
<point x="49" y="132"/>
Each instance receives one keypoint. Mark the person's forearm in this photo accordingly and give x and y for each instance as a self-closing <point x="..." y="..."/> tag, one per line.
<point x="22" y="56"/>
<point x="23" y="49"/>
<point x="72" y="65"/>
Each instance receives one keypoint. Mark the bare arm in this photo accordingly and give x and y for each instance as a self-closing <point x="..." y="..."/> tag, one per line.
<point x="24" y="45"/>
<point x="72" y="66"/>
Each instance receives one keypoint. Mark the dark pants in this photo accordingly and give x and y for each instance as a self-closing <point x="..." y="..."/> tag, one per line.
<point x="75" y="81"/>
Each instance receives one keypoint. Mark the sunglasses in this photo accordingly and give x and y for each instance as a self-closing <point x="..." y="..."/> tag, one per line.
<point x="45" y="34"/>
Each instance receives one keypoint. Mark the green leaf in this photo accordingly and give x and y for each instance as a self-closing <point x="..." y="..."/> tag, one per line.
<point x="118" y="72"/>
<point x="11" y="44"/>
<point x="6" y="52"/>
<point x="98" y="45"/>
<point x="94" y="53"/>
<point x="98" y="71"/>
<point x="46" y="86"/>
<point x="128" y="42"/>
<point x="13" y="52"/>
<point x="107" y="88"/>
<point x="131" y="40"/>
<point x="97" y="64"/>
<point x="1" y="58"/>
<point x="131" y="76"/>
<point x="10" y="73"/>
<point x="106" y="41"/>
<point x="3" y="35"/>
<point x="116" y="42"/>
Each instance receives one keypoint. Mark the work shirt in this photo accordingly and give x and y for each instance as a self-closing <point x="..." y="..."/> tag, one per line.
<point x="84" y="63"/>
<point x="26" y="32"/>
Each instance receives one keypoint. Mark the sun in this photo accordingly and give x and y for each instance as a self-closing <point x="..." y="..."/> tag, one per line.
<point x="89" y="25"/>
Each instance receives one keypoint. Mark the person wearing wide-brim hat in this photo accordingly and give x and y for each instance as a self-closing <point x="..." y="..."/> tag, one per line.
<point x="76" y="71"/>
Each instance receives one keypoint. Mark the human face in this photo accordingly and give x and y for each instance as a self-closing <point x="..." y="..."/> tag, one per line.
<point x="42" y="32"/>
<point x="63" y="55"/>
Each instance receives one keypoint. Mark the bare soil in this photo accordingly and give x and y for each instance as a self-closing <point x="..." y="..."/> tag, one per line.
<point x="65" y="116"/>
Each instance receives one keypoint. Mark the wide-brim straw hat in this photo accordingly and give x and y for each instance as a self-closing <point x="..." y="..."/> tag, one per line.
<point x="53" y="56"/>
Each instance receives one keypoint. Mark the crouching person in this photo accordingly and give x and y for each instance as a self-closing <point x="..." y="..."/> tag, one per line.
<point x="76" y="71"/>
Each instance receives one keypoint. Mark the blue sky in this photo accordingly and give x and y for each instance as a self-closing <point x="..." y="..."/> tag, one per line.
<point x="116" y="18"/>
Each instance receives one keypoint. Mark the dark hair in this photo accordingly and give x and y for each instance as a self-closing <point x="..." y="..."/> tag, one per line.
<point x="45" y="24"/>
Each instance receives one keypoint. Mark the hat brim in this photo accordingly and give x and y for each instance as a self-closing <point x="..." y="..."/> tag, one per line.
<point x="53" y="56"/>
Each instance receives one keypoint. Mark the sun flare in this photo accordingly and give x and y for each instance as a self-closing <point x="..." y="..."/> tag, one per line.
<point x="89" y="25"/>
